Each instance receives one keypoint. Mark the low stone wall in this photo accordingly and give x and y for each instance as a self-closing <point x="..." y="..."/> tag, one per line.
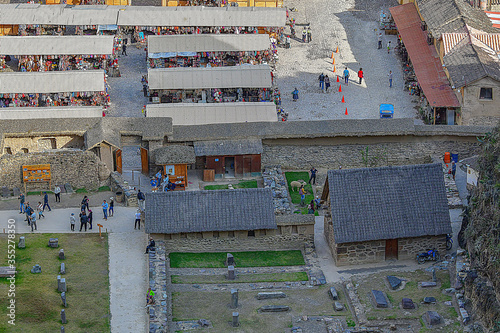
<point x="81" y="169"/>
<point x="118" y="184"/>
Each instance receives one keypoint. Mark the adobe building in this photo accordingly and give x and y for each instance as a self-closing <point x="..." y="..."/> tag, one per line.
<point x="376" y="214"/>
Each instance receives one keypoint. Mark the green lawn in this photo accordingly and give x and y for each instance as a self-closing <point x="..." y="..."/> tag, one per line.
<point x="290" y="177"/>
<point x="242" y="259"/>
<point x="243" y="278"/>
<point x="245" y="184"/>
<point x="38" y="303"/>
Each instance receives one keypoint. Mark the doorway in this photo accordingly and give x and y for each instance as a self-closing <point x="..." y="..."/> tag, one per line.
<point x="391" y="249"/>
<point x="229" y="166"/>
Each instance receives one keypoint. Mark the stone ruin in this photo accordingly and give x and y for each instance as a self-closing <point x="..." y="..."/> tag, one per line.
<point x="275" y="180"/>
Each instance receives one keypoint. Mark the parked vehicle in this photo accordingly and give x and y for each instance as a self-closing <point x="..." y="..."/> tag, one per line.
<point x="431" y="255"/>
<point x="449" y="242"/>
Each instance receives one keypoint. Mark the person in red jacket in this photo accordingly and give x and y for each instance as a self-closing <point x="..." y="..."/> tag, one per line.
<point x="360" y="75"/>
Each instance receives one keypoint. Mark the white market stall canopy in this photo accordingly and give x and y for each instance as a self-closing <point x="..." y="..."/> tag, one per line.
<point x="213" y="113"/>
<point x="245" y="76"/>
<point x="51" y="112"/>
<point x="208" y="43"/>
<point x="51" y="82"/>
<point x="58" y="14"/>
<point x="199" y="16"/>
<point x="182" y="16"/>
<point x="56" y="45"/>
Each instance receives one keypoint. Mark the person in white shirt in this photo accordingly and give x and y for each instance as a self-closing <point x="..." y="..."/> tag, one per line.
<point x="57" y="193"/>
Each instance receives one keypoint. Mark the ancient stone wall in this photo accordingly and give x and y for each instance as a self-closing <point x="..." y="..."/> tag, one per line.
<point x="408" y="248"/>
<point x="13" y="145"/>
<point x="80" y="169"/>
<point x="328" y="154"/>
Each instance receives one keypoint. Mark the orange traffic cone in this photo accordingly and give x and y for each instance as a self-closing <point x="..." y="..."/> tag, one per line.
<point x="332" y="54"/>
<point x="334" y="69"/>
<point x="338" y="79"/>
<point x="340" y="87"/>
<point x="343" y="99"/>
<point x="337" y="51"/>
<point x="346" y="112"/>
<point x="333" y="61"/>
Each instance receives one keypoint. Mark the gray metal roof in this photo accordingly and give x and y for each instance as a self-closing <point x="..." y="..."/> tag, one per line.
<point x="208" y="43"/>
<point x="58" y="14"/>
<point x="469" y="61"/>
<point x="174" y="154"/>
<point x="219" y="210"/>
<point x="56" y="45"/>
<point x="388" y="203"/>
<point x="52" y="82"/>
<point x="198" y="16"/>
<point x="228" y="147"/>
<point x="214" y="113"/>
<point x="245" y="76"/>
<point x="51" y="112"/>
<point x="451" y="16"/>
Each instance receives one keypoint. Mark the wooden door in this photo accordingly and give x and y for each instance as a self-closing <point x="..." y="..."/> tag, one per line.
<point x="144" y="161"/>
<point x="247" y="165"/>
<point x="119" y="160"/>
<point x="391" y="249"/>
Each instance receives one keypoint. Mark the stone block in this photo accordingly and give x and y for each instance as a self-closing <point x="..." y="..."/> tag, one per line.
<point x="22" y="243"/>
<point x="236" y="319"/>
<point x="63" y="298"/>
<point x="333" y="293"/>
<point x="68" y="188"/>
<point x="274" y="308"/>
<point x="36" y="269"/>
<point x="234" y="298"/>
<point x="271" y="295"/>
<point x="203" y="323"/>
<point x="338" y="306"/>
<point x="230" y="260"/>
<point x="429" y="300"/>
<point x="62" y="285"/>
<point x="53" y="242"/>
<point x="394" y="282"/>
<point x="63" y="316"/>
<point x="432" y="318"/>
<point x="428" y="284"/>
<point x="379" y="299"/>
<point x="407" y="303"/>
<point x="63" y="269"/>
<point x="230" y="273"/>
<point x="61" y="254"/>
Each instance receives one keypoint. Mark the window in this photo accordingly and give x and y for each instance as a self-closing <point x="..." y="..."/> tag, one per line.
<point x="294" y="230"/>
<point x="230" y="234"/>
<point x="251" y="233"/>
<point x="8" y="150"/>
<point x="486" y="93"/>
<point x="216" y="234"/>
<point x="24" y="150"/>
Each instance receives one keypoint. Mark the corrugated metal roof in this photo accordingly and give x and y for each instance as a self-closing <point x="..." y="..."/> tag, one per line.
<point x="56" y="45"/>
<point x="245" y="76"/>
<point x="397" y="202"/>
<point x="214" y="113"/>
<point x="494" y="18"/>
<point x="450" y="40"/>
<point x="51" y="112"/>
<point x="58" y="14"/>
<point x="426" y="63"/>
<point x="228" y="147"/>
<point x="208" y="43"/>
<point x="52" y="82"/>
<point x="199" y="16"/>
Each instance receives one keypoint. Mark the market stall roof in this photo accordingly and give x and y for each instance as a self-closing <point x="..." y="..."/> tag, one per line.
<point x="214" y="113"/>
<point x="199" y="16"/>
<point x="208" y="43"/>
<point x="494" y="18"/>
<point x="51" y="112"/>
<point x="426" y="63"/>
<point x="228" y="147"/>
<point x="58" y="14"/>
<point x="56" y="45"/>
<point x="245" y="76"/>
<point x="51" y="82"/>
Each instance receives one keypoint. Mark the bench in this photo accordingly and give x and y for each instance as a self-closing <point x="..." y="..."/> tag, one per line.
<point x="6" y="271"/>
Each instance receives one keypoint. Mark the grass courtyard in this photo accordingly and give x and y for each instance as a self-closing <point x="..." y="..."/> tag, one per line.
<point x="38" y="303"/>
<point x="242" y="259"/>
<point x="243" y="184"/>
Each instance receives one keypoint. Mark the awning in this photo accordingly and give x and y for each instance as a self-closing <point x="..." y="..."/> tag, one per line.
<point x="56" y="112"/>
<point x="494" y="18"/>
<point x="107" y="27"/>
<point x="170" y="54"/>
<point x="428" y="68"/>
<point x="56" y="45"/>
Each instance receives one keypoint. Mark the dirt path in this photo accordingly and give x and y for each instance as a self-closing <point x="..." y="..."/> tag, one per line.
<point x="127" y="277"/>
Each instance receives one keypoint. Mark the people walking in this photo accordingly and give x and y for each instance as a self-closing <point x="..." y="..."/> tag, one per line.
<point x="453" y="169"/>
<point x="379" y="40"/>
<point x="21" y="199"/>
<point x="304" y="34"/>
<point x="46" y="201"/>
<point x="105" y="209"/>
<point x="287" y="42"/>
<point x="90" y="219"/>
<point x="322" y="81"/>
<point x="33" y="221"/>
<point x="28" y="211"/>
<point x="111" y="207"/>
<point x="39" y="208"/>
<point x="302" y="193"/>
<point x="388" y="47"/>
<point x="346" y="76"/>
<point x="313" y="175"/>
<point x="137" y="219"/>
<point x="309" y="34"/>
<point x="57" y="193"/>
<point x="295" y="95"/>
<point x="360" y="75"/>
<point x="84" y="219"/>
<point x="124" y="49"/>
<point x="327" y="83"/>
<point x="390" y="79"/>
<point x="85" y="203"/>
<point x="72" y="221"/>
<point x="141" y="198"/>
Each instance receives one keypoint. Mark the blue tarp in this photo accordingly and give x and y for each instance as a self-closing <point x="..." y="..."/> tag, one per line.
<point x="171" y="54"/>
<point x="108" y="27"/>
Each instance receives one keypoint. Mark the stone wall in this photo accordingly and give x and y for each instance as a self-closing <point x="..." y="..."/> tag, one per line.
<point x="80" y="169"/>
<point x="13" y="145"/>
<point x="408" y="248"/>
<point x="330" y="153"/>
<point x="118" y="184"/>
<point x="482" y="112"/>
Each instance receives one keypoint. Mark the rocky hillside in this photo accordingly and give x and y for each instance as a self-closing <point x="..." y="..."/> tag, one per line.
<point x="482" y="234"/>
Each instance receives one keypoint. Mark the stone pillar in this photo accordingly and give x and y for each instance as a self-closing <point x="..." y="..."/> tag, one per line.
<point x="63" y="298"/>
<point x="61" y="254"/>
<point x="230" y="273"/>
<point x="62" y="285"/>
<point x="22" y="243"/>
<point x="62" y="329"/>
<point x="58" y="281"/>
<point x="230" y="259"/>
<point x="63" y="316"/>
<point x="63" y="269"/>
<point x="234" y="298"/>
<point x="236" y="319"/>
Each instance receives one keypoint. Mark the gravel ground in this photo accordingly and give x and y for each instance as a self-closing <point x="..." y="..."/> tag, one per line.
<point x="353" y="26"/>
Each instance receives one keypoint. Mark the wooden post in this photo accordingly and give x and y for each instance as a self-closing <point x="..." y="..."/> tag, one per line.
<point x="434" y="116"/>
<point x="100" y="226"/>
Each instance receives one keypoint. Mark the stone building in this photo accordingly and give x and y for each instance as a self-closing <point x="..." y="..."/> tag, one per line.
<point x="240" y="219"/>
<point x="375" y="214"/>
